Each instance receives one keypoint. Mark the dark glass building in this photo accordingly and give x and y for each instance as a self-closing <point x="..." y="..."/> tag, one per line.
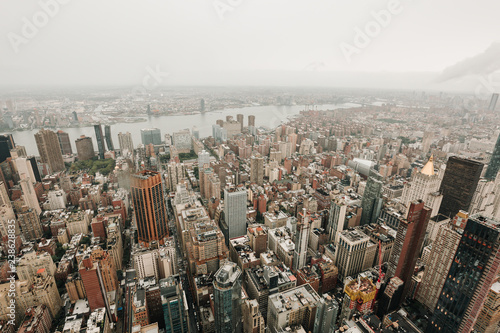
<point x="459" y="184"/>
<point x="494" y="164"/>
<point x="100" y="140"/>
<point x="175" y="317"/>
<point x="64" y="143"/>
<point x="474" y="268"/>
<point x="227" y="299"/>
<point x="372" y="199"/>
<point x="109" y="140"/>
<point x="6" y="144"/>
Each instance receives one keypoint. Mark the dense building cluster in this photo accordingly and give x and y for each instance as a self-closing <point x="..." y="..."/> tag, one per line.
<point x="375" y="218"/>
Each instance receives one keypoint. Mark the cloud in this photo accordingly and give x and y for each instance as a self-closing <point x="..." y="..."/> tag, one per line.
<point x="481" y="64"/>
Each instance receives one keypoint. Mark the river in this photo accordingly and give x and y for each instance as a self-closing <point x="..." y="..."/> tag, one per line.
<point x="267" y="116"/>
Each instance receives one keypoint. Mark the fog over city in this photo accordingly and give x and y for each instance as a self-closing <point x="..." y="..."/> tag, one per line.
<point x="404" y="44"/>
<point x="249" y="166"/>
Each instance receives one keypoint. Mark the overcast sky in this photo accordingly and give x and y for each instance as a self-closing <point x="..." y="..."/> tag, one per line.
<point x="243" y="41"/>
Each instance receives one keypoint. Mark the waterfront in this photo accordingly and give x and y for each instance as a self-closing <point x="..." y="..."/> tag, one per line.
<point x="266" y="116"/>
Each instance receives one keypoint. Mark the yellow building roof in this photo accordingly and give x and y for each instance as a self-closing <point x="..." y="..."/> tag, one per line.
<point x="428" y="168"/>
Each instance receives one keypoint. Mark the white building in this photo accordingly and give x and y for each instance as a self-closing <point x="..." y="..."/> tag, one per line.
<point x="424" y="185"/>
<point x="235" y="211"/>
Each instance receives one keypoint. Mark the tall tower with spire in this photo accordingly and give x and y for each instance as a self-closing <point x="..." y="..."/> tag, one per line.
<point x="424" y="185"/>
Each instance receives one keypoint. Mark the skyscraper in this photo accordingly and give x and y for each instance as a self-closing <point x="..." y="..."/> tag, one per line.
<point x="336" y="219"/>
<point x="235" y="211"/>
<point x="172" y="300"/>
<point x="49" y="149"/>
<point x="326" y="315"/>
<point x="350" y="252"/>
<point x="64" y="142"/>
<point x="149" y="203"/>
<point x="202" y="105"/>
<point x="493" y="102"/>
<point x="34" y="167"/>
<point x="6" y="144"/>
<point x="371" y="201"/>
<point x="227" y="299"/>
<point x="251" y="120"/>
<point x="408" y="243"/>
<point x="424" y="185"/>
<point x="100" y="140"/>
<point x="257" y="169"/>
<point x="151" y="135"/>
<point x="459" y="184"/>
<point x="239" y="118"/>
<point x="109" y="140"/>
<point x="440" y="259"/>
<point x="301" y="240"/>
<point x="474" y="269"/>
<point x="494" y="165"/>
<point x="125" y="141"/>
<point x="84" y="148"/>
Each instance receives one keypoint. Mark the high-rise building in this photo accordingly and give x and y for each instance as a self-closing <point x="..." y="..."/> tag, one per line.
<point x="239" y="118"/>
<point x="34" y="168"/>
<point x="125" y="141"/>
<point x="494" y="165"/>
<point x="350" y="253"/>
<point x="149" y="203"/>
<point x="438" y="265"/>
<point x="202" y="105"/>
<point x="459" y="184"/>
<point x="490" y="314"/>
<point x="257" y="170"/>
<point x="182" y="141"/>
<point x="29" y="195"/>
<point x="41" y="290"/>
<point x="100" y="140"/>
<point x="251" y="120"/>
<point x="293" y="307"/>
<point x="203" y="158"/>
<point x="408" y="243"/>
<point x="235" y="211"/>
<point x="49" y="149"/>
<point x="109" y="139"/>
<point x="6" y="144"/>
<point x="84" y="148"/>
<point x="151" y="135"/>
<point x="473" y="271"/>
<point x="336" y="219"/>
<point x="24" y="168"/>
<point x="173" y="304"/>
<point x="92" y="283"/>
<point x="29" y="222"/>
<point x="372" y="198"/>
<point x="427" y="141"/>
<point x="64" y="142"/>
<point x="493" y="102"/>
<point x="326" y="315"/>
<point x="301" y="240"/>
<point x="253" y="321"/>
<point x="227" y="299"/>
<point x="424" y="185"/>
<point x="36" y="319"/>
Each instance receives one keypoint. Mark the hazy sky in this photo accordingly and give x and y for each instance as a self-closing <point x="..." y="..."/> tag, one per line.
<point x="114" y="41"/>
